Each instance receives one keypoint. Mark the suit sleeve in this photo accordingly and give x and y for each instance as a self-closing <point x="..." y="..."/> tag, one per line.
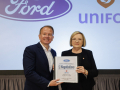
<point x="29" y="69"/>
<point x="93" y="72"/>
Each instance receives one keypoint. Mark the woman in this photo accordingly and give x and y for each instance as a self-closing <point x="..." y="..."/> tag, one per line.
<point x="86" y="65"/>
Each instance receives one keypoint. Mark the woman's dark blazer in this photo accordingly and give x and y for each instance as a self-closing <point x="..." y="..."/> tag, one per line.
<point x="89" y="64"/>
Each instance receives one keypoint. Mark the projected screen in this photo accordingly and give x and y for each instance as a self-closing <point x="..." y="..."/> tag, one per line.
<point x="98" y="20"/>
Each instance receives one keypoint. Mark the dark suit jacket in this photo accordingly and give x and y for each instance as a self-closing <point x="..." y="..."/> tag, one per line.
<point x="36" y="68"/>
<point x="88" y="62"/>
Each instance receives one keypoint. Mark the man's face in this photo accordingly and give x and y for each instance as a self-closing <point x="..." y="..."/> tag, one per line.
<point x="46" y="36"/>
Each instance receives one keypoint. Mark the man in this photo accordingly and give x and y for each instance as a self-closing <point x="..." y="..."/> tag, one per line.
<point x="38" y="62"/>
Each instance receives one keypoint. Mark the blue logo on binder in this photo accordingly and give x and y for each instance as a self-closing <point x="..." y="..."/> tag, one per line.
<point x="66" y="60"/>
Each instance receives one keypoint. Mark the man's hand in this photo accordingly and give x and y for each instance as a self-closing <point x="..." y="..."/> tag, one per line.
<point x="53" y="66"/>
<point x="54" y="82"/>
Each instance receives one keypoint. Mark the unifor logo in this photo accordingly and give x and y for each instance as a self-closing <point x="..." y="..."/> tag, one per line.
<point x="66" y="60"/>
<point x="34" y="10"/>
<point x="105" y="3"/>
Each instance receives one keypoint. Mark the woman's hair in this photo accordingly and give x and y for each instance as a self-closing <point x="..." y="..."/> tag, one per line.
<point x="77" y="32"/>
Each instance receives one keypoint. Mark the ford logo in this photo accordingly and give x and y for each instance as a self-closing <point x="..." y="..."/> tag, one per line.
<point x="34" y="10"/>
<point x="66" y="60"/>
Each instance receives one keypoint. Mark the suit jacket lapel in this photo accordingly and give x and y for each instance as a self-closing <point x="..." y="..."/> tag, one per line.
<point x="83" y="54"/>
<point x="53" y="54"/>
<point x="43" y="54"/>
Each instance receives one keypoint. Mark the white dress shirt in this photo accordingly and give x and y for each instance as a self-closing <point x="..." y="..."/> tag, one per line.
<point x="49" y="56"/>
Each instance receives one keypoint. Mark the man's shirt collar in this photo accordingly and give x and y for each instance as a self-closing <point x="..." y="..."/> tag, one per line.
<point x="49" y="49"/>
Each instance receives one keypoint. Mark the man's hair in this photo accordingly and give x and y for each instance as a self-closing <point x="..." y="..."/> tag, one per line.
<point x="48" y="27"/>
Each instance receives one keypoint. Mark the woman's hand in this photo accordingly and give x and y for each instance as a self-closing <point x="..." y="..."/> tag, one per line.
<point x="81" y="69"/>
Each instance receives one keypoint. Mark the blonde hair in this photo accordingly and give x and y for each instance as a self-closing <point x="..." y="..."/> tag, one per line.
<point x="77" y="32"/>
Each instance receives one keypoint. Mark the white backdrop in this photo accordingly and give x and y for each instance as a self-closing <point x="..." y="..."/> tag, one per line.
<point x="102" y="38"/>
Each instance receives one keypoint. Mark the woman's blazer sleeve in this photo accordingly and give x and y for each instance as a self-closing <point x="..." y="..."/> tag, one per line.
<point x="93" y="72"/>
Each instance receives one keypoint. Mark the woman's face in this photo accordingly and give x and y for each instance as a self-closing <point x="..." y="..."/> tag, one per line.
<point x="77" y="41"/>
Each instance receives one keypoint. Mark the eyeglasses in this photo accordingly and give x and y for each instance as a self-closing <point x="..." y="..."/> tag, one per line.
<point x="74" y="39"/>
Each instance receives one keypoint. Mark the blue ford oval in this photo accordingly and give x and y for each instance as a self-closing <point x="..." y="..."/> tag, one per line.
<point x="66" y="60"/>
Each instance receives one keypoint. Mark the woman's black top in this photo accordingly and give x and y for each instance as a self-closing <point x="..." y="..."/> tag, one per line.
<point x="83" y="82"/>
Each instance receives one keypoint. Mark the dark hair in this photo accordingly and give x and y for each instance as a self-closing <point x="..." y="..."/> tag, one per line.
<point x="48" y="27"/>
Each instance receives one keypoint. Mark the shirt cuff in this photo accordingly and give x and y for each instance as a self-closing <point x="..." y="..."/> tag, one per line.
<point x="85" y="74"/>
<point x="48" y="84"/>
